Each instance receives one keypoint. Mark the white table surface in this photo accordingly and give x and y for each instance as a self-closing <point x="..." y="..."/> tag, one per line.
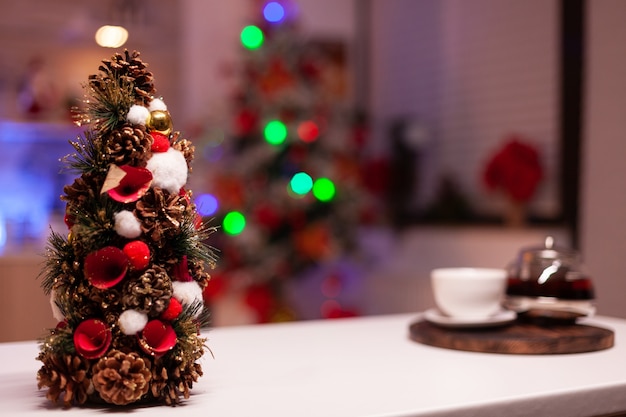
<point x="360" y="367"/>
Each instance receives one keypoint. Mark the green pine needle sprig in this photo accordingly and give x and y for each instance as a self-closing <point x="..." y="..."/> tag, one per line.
<point x="57" y="341"/>
<point x="192" y="242"/>
<point x="59" y="254"/>
<point x="190" y="346"/>
<point x="94" y="223"/>
<point x="189" y="320"/>
<point x="89" y="156"/>
<point x="108" y="105"/>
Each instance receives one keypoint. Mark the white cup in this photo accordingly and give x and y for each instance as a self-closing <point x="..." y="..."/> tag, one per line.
<point x="474" y="293"/>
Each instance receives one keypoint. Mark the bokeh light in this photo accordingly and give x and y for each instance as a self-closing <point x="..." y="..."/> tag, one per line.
<point x="301" y="183"/>
<point x="275" y="132"/>
<point x="207" y="204"/>
<point x="252" y="37"/>
<point x="234" y="222"/>
<point x="331" y="286"/>
<point x="3" y="233"/>
<point x="212" y="153"/>
<point x="329" y="308"/>
<point x="109" y="36"/>
<point x="308" y="131"/>
<point x="324" y="189"/>
<point x="274" y="12"/>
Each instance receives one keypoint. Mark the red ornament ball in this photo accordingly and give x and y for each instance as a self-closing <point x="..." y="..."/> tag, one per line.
<point x="69" y="220"/>
<point x="173" y="310"/>
<point x="138" y="254"/>
<point x="161" y="142"/>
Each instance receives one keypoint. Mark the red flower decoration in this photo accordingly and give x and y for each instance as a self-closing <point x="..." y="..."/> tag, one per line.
<point x="515" y="169"/>
<point x="157" y="338"/>
<point x="138" y="254"/>
<point x="92" y="338"/>
<point x="126" y="183"/>
<point x="106" y="267"/>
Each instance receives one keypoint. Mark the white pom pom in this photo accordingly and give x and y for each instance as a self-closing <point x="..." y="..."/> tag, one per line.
<point x="157" y="104"/>
<point x="56" y="311"/>
<point x="132" y="321"/>
<point x="138" y="115"/>
<point x="127" y="225"/>
<point x="169" y="170"/>
<point x="188" y="293"/>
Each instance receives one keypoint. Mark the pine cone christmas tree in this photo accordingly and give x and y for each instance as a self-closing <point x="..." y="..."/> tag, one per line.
<point x="126" y="283"/>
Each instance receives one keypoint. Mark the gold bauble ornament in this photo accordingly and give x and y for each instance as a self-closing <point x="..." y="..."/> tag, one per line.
<point x="160" y="121"/>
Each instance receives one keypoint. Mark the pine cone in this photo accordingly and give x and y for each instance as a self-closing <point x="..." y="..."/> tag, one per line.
<point x="198" y="273"/>
<point x="130" y="68"/>
<point x="64" y="374"/>
<point x="129" y="145"/>
<point x="89" y="301"/>
<point x="122" y="378"/>
<point x="150" y="292"/>
<point x="169" y="385"/>
<point x="161" y="214"/>
<point x="106" y="302"/>
<point x="82" y="190"/>
<point x="185" y="147"/>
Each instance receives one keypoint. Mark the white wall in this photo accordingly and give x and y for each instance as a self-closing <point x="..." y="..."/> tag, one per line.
<point x="603" y="209"/>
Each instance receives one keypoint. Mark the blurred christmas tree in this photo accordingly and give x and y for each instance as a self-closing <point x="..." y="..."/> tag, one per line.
<point x="293" y="185"/>
<point x="126" y="283"/>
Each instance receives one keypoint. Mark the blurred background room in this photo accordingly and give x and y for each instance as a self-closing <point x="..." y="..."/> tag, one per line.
<point x="345" y="148"/>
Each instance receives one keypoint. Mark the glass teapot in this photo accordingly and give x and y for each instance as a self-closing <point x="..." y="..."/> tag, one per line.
<point x="549" y="282"/>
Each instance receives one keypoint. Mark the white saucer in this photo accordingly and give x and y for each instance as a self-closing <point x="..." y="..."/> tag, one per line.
<point x="502" y="317"/>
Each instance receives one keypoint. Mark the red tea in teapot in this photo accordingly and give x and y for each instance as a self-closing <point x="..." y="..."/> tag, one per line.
<point x="549" y="282"/>
<point x="576" y="289"/>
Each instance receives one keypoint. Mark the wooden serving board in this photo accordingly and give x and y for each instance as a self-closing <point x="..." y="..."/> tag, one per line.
<point x="515" y="338"/>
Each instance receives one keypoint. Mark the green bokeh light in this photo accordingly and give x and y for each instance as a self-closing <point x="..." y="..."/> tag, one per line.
<point x="234" y="222"/>
<point x="252" y="37"/>
<point x="324" y="189"/>
<point x="301" y="183"/>
<point x="275" y="132"/>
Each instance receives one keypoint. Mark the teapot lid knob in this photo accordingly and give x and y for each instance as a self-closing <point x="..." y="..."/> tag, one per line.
<point x="549" y="242"/>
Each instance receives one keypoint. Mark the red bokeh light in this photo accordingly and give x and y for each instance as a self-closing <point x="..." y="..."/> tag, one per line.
<point x="308" y="131"/>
